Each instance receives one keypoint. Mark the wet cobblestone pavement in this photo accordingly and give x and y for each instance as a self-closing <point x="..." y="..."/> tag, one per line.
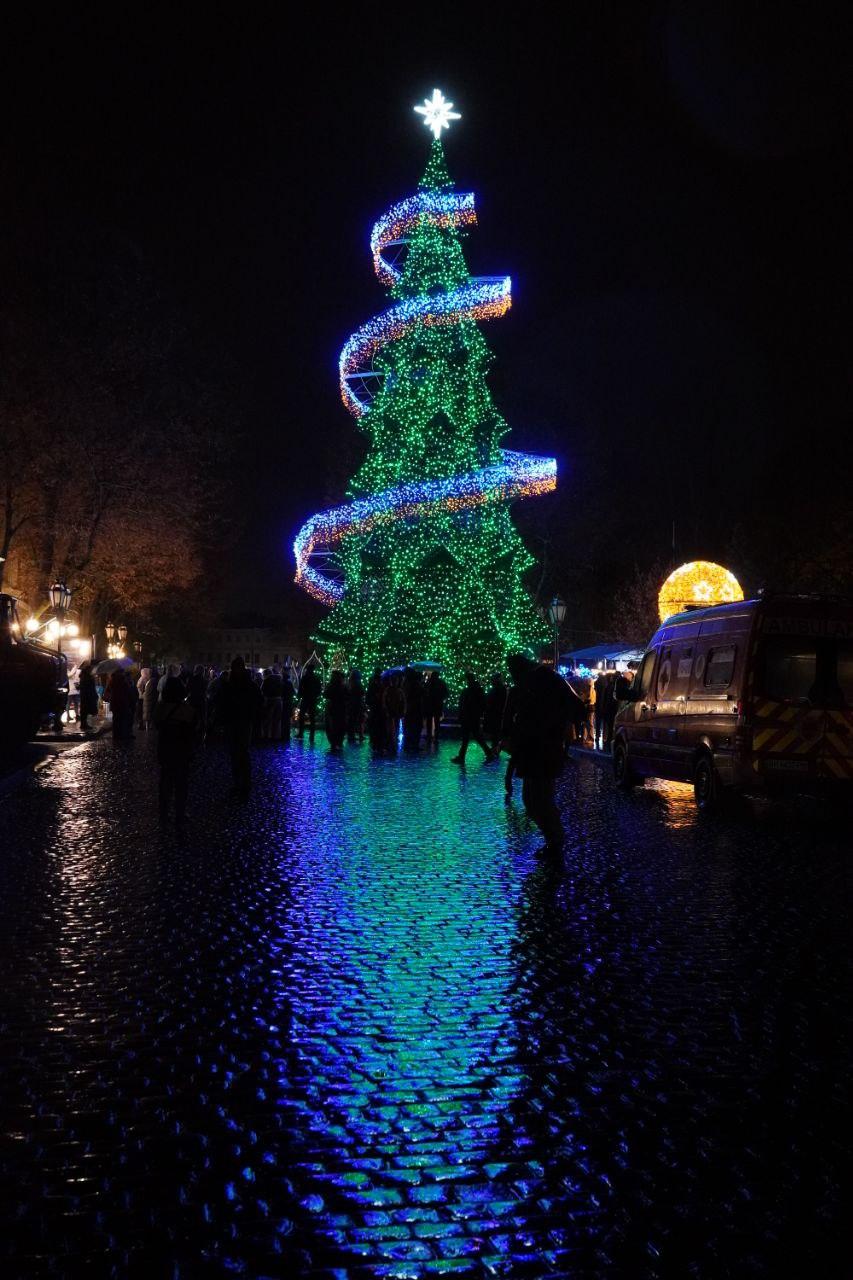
<point x="356" y="1029"/>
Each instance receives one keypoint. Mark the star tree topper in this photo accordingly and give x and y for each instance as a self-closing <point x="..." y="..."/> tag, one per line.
<point x="437" y="112"/>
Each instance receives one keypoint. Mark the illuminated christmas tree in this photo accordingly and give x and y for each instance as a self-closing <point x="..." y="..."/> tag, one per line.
<point x="424" y="562"/>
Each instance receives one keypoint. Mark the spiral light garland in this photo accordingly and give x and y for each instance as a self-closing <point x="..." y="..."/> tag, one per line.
<point x="517" y="475"/>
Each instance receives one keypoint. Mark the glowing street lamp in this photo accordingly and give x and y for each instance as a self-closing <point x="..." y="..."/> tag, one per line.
<point x="110" y="632"/>
<point x="60" y="599"/>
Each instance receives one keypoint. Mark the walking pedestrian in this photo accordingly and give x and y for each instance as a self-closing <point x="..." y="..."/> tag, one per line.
<point x="394" y="704"/>
<point x="336" y="710"/>
<point x="600" y="690"/>
<point x="239" y="705"/>
<point x="413" y="710"/>
<point x="197" y="697"/>
<point x="120" y="694"/>
<point x="375" y="711"/>
<point x="355" y="707"/>
<point x="545" y="708"/>
<point x="88" y="696"/>
<point x="273" y="692"/>
<point x="494" y="712"/>
<point x="177" y="722"/>
<point x="506" y="737"/>
<point x="149" y="697"/>
<point x="144" y="676"/>
<point x="310" y="689"/>
<point x="472" y="703"/>
<point x="435" y="696"/>
<point x="288" y="695"/>
<point x="74" y="694"/>
<point x="609" y="711"/>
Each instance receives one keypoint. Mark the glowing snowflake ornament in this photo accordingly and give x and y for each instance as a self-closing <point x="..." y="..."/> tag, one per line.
<point x="437" y="112"/>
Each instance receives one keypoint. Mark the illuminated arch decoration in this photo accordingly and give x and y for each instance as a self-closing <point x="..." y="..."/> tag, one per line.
<point x="436" y="460"/>
<point x="695" y="584"/>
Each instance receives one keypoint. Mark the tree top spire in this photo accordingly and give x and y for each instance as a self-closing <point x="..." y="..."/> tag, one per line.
<point x="436" y="176"/>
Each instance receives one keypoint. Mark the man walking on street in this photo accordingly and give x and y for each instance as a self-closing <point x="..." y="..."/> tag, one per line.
<point x="310" y="688"/>
<point x="239" y="704"/>
<point x="472" y="704"/>
<point x="545" y="708"/>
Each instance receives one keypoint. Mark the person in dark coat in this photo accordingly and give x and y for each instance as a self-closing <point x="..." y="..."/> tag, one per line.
<point x="273" y="693"/>
<point x="375" y="711"/>
<point x="239" y="705"/>
<point x="413" y="714"/>
<point x="494" y="712"/>
<point x="609" y="710"/>
<point x="88" y="695"/>
<point x="310" y="688"/>
<point x="288" y="695"/>
<point x="336" y="710"/>
<point x="506" y="737"/>
<point x="545" y="708"/>
<point x="355" y="708"/>
<point x="472" y="704"/>
<point x="435" y="696"/>
<point x="600" y="687"/>
<point x="121" y="696"/>
<point x="177" y="721"/>
<point x="197" y="697"/>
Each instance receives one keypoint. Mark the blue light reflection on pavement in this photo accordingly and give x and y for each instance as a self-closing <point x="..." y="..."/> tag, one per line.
<point x="399" y="974"/>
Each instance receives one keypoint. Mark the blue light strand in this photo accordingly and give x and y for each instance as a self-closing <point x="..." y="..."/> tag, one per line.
<point x="518" y="475"/>
<point x="446" y="208"/>
<point x="481" y="299"/>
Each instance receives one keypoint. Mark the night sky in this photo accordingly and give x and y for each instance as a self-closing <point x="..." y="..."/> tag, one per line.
<point x="669" y="187"/>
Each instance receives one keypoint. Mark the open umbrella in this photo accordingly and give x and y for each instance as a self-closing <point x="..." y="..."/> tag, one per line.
<point x="425" y="666"/>
<point x="113" y="664"/>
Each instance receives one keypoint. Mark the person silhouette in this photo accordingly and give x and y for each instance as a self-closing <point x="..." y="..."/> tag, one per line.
<point x="472" y="704"/>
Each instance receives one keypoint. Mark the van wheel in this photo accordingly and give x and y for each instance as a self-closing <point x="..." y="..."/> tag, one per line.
<point x="707" y="789"/>
<point x="623" y="775"/>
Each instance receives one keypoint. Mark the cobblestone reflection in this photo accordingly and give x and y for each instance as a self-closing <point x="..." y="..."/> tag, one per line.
<point x="358" y="1029"/>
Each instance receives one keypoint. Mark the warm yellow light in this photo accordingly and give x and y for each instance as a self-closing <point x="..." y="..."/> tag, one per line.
<point x="72" y="629"/>
<point x="32" y="624"/>
<point x="697" y="583"/>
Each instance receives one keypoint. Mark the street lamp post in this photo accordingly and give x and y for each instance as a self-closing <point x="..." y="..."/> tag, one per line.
<point x="110" y="633"/>
<point x="60" y="598"/>
<point x="557" y="614"/>
<point x="137" y="649"/>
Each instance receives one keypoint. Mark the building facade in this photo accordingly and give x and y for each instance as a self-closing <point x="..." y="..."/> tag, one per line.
<point x="259" y="647"/>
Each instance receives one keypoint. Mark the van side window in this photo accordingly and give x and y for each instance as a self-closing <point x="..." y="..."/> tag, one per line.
<point x="643" y="680"/>
<point x="664" y="673"/>
<point x="720" y="667"/>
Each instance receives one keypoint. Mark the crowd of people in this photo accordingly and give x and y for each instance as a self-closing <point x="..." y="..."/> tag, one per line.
<point x="599" y="696"/>
<point x="531" y="719"/>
